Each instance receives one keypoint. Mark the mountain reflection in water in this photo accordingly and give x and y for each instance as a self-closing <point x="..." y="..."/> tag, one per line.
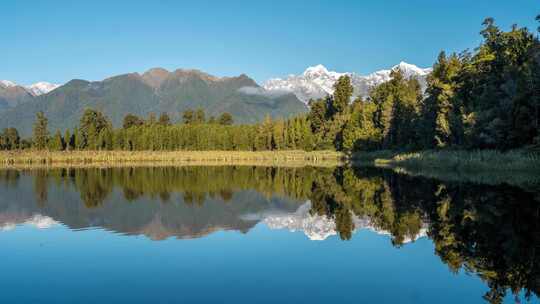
<point x="490" y="231"/>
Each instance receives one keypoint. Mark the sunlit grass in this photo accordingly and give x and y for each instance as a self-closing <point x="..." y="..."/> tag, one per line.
<point x="457" y="160"/>
<point x="483" y="166"/>
<point x="119" y="158"/>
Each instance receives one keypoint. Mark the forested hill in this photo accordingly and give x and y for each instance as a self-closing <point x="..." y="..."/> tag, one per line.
<point x="158" y="91"/>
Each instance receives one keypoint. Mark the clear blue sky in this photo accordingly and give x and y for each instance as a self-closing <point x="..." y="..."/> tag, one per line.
<point x="60" y="40"/>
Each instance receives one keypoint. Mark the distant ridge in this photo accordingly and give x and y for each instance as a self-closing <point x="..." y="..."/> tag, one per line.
<point x="317" y="81"/>
<point x="157" y="90"/>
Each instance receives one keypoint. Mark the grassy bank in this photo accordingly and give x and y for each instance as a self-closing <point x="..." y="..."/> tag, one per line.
<point x="123" y="158"/>
<point x="484" y="166"/>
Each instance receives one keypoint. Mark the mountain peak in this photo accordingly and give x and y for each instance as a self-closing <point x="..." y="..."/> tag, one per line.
<point x="317" y="69"/>
<point x="157" y="70"/>
<point x="35" y="89"/>
<point x="154" y="77"/>
<point x="7" y="83"/>
<point x="317" y="81"/>
<point x="411" y="69"/>
<point x="41" y="88"/>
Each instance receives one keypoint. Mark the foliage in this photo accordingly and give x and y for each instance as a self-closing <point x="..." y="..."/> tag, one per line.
<point x="486" y="99"/>
<point x="41" y="132"/>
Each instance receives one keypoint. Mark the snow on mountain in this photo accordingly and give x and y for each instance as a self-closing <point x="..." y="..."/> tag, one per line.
<point x="7" y="83"/>
<point x="37" y="220"/>
<point x="41" y="88"/>
<point x="318" y="228"/>
<point x="315" y="227"/>
<point x="35" y="89"/>
<point x="318" y="81"/>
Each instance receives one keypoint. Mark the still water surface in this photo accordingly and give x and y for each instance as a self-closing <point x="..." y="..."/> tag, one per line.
<point x="264" y="235"/>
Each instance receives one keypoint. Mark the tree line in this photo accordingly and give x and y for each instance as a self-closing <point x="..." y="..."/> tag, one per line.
<point x="194" y="132"/>
<point x="488" y="98"/>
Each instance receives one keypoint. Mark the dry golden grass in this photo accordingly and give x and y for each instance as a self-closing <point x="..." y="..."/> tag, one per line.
<point x="26" y="159"/>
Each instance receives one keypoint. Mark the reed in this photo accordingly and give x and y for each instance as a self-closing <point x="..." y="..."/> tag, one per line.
<point x="482" y="166"/>
<point x="123" y="158"/>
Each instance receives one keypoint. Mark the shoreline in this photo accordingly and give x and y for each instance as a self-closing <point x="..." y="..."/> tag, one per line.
<point x="82" y="159"/>
<point x="452" y="160"/>
<point x="518" y="167"/>
<point x="458" y="161"/>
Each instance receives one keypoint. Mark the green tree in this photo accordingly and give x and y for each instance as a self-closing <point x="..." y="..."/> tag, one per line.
<point x="226" y="119"/>
<point x="278" y="131"/>
<point x="131" y="120"/>
<point x="40" y="132"/>
<point x="105" y="139"/>
<point x="57" y="142"/>
<point x="200" y="116"/>
<point x="68" y="141"/>
<point x="10" y="139"/>
<point x="263" y="140"/>
<point x="498" y="89"/>
<point x="343" y="91"/>
<point x="318" y="114"/>
<point x="440" y="115"/>
<point x="360" y="132"/>
<point x="164" y="119"/>
<point x="188" y="116"/>
<point x="91" y="124"/>
<point x="398" y="111"/>
<point x="77" y="139"/>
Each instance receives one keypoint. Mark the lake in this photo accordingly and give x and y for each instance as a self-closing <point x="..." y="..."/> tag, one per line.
<point x="264" y="235"/>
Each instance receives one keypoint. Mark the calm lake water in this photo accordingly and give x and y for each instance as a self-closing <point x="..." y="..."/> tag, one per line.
<point x="264" y="235"/>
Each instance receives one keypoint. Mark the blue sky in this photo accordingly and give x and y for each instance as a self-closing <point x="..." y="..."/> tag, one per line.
<point x="60" y="40"/>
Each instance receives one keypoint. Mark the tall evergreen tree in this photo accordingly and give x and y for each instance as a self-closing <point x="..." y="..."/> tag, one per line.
<point x="317" y="114"/>
<point x="57" y="142"/>
<point x="263" y="140"/>
<point x="40" y="136"/>
<point x="10" y="139"/>
<point x="68" y="140"/>
<point x="440" y="114"/>
<point x="360" y="132"/>
<point x="343" y="91"/>
<point x="91" y="124"/>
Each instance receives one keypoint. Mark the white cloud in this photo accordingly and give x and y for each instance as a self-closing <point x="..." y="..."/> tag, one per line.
<point x="263" y="92"/>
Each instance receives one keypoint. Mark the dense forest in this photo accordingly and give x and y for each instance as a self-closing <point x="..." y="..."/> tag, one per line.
<point x="488" y="98"/>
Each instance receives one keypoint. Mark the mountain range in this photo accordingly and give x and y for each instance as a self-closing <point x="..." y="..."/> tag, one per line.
<point x="12" y="94"/>
<point x="158" y="90"/>
<point x="320" y="227"/>
<point x="318" y="81"/>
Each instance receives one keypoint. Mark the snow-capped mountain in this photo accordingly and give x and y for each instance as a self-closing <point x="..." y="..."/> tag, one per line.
<point x="41" y="88"/>
<point x="37" y="220"/>
<point x="319" y="228"/>
<point x="318" y="81"/>
<point x="7" y="83"/>
<point x="35" y="89"/>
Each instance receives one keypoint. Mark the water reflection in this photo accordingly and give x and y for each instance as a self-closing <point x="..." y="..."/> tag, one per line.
<point x="490" y="231"/>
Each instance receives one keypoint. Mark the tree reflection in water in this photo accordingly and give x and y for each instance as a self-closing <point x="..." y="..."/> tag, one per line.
<point x="491" y="231"/>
